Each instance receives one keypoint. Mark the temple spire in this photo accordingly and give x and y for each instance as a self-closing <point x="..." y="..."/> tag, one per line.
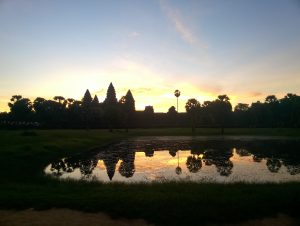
<point x="111" y="95"/>
<point x="95" y="100"/>
<point x="87" y="99"/>
<point x="130" y="101"/>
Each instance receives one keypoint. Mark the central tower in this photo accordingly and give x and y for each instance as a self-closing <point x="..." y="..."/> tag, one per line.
<point x="111" y="95"/>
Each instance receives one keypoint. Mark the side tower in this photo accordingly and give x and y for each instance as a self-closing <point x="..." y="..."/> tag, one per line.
<point x="130" y="101"/>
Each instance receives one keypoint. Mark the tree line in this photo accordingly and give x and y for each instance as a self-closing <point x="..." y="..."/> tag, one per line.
<point x="61" y="112"/>
<point x="273" y="112"/>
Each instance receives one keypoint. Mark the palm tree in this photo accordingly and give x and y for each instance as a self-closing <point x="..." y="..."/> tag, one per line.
<point x="178" y="169"/>
<point x="193" y="163"/>
<point x="60" y="99"/>
<point x="177" y="94"/>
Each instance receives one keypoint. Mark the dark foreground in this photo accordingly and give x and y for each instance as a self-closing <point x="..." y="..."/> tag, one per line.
<point x="62" y="217"/>
<point x="23" y="185"/>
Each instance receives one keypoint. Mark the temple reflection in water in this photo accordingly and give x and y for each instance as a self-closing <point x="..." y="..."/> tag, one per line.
<point x="220" y="160"/>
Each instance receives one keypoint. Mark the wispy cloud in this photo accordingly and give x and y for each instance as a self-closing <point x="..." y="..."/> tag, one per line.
<point x="175" y="17"/>
<point x="255" y="94"/>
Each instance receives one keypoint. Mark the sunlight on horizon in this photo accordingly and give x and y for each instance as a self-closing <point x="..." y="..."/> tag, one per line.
<point x="148" y="86"/>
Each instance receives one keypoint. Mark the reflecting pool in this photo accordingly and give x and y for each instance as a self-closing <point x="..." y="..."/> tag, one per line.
<point x="198" y="159"/>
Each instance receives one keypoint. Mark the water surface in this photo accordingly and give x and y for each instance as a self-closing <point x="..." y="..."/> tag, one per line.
<point x="200" y="159"/>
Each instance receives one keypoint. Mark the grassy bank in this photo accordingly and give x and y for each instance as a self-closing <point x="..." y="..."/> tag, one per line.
<point x="291" y="132"/>
<point x="23" y="156"/>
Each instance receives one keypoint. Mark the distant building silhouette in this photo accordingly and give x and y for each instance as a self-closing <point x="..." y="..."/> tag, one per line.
<point x="87" y="98"/>
<point x="130" y="102"/>
<point x="149" y="110"/>
<point x="111" y="95"/>
<point x="95" y="100"/>
<point x="110" y="163"/>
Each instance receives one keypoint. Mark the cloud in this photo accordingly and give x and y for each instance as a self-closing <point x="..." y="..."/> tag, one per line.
<point x="142" y="90"/>
<point x="134" y="34"/>
<point x="175" y="17"/>
<point x="100" y="91"/>
<point x="256" y="94"/>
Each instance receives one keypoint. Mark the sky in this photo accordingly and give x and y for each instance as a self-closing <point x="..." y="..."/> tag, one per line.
<point x="204" y="48"/>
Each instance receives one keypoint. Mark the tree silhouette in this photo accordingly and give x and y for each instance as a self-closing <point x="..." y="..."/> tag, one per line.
<point x="20" y="108"/>
<point x="192" y="107"/>
<point x="223" y="98"/>
<point x="194" y="163"/>
<point x="224" y="167"/>
<point x="271" y="99"/>
<point x="172" y="111"/>
<point x="69" y="102"/>
<point x="242" y="152"/>
<point x="272" y="108"/>
<point x="293" y="169"/>
<point x="220" y="157"/>
<point x="60" y="99"/>
<point x="273" y="165"/>
<point x="39" y="108"/>
<point x="127" y="168"/>
<point x="122" y="100"/>
<point x="172" y="115"/>
<point x="241" y="115"/>
<point x="177" y="95"/>
<point x="221" y="109"/>
<point x="290" y="110"/>
<point x="15" y="98"/>
<point x="178" y="169"/>
<point x="241" y="107"/>
<point x="75" y="113"/>
<point x="58" y="168"/>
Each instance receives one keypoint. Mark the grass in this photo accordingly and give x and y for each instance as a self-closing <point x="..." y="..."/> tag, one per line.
<point x="294" y="132"/>
<point x="23" y="157"/>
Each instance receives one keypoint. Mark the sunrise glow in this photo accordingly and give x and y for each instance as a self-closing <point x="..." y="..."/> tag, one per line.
<point x="244" y="50"/>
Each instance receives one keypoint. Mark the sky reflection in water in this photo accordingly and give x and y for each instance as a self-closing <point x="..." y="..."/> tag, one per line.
<point x="198" y="159"/>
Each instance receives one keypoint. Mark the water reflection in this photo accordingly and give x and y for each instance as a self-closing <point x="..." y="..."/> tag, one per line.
<point x="178" y="169"/>
<point x="197" y="159"/>
<point x="194" y="163"/>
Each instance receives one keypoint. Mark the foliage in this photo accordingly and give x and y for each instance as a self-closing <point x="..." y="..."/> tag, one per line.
<point x="192" y="107"/>
<point x="20" y="108"/>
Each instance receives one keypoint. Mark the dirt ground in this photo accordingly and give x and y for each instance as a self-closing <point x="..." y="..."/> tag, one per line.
<point x="62" y="217"/>
<point x="66" y="217"/>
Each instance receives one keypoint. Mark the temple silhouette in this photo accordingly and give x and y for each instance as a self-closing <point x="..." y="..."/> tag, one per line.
<point x="112" y="114"/>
